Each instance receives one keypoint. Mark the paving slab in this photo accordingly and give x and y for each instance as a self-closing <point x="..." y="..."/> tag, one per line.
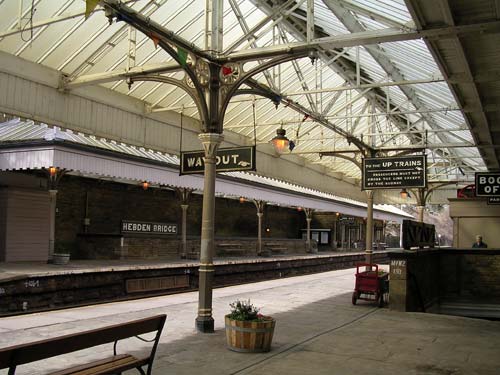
<point x="318" y="331"/>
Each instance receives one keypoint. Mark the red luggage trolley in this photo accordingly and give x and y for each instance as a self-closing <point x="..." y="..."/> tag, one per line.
<point x="371" y="285"/>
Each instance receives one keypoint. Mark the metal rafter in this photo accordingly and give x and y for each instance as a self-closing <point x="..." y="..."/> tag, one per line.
<point x="362" y="38"/>
<point x="491" y="158"/>
<point x="353" y="25"/>
<point x="244" y="26"/>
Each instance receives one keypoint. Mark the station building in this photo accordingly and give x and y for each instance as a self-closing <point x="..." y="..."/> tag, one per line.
<point x="102" y="207"/>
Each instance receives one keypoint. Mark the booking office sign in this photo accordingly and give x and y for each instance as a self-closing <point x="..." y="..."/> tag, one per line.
<point x="399" y="172"/>
<point x="488" y="185"/>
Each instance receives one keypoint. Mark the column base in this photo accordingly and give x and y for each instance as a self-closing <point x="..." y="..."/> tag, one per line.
<point x="205" y="324"/>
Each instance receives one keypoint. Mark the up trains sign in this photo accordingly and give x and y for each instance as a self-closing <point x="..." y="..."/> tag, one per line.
<point x="394" y="172"/>
<point x="487" y="184"/>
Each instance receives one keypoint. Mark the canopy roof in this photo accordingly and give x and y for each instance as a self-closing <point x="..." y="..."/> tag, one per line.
<point x="25" y="145"/>
<point x="376" y="81"/>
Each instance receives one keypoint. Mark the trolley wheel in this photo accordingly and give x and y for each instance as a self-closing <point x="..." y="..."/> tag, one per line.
<point x="354" y="297"/>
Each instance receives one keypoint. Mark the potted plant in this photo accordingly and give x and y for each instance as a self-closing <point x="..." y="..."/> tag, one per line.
<point x="247" y="330"/>
<point x="62" y="253"/>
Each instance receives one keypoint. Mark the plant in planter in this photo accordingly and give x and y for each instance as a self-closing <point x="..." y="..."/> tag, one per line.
<point x="62" y="253"/>
<point x="247" y="330"/>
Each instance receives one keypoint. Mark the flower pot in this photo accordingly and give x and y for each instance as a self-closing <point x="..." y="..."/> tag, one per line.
<point x="249" y="336"/>
<point x="60" y="259"/>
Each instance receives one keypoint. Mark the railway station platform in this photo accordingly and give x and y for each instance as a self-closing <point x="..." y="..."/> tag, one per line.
<point x="34" y="286"/>
<point x="318" y="331"/>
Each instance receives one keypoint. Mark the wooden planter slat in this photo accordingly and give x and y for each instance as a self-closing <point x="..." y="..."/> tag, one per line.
<point x="252" y="337"/>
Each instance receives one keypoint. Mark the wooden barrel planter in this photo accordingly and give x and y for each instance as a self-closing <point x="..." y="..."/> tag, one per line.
<point x="249" y="337"/>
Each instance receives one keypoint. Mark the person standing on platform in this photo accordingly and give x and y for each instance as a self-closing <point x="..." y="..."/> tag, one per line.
<point x="479" y="242"/>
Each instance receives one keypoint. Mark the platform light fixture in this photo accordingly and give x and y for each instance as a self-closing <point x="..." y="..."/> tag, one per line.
<point x="145" y="185"/>
<point x="242" y="200"/>
<point x="280" y="142"/>
<point x="299" y="208"/>
<point x="52" y="171"/>
<point x="404" y="194"/>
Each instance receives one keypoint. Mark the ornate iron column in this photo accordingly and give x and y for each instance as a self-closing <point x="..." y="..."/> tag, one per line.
<point x="369" y="226"/>
<point x="211" y="79"/>
<point x="52" y="221"/>
<point x="421" y="200"/>
<point x="54" y="175"/>
<point x="184" y="195"/>
<point x="309" y="213"/>
<point x="205" y="321"/>
<point x="260" y="213"/>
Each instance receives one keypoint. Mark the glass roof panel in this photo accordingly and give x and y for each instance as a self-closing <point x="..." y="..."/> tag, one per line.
<point x="79" y="47"/>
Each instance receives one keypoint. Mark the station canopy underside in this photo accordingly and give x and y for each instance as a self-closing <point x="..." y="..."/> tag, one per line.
<point x="28" y="146"/>
<point x="399" y="76"/>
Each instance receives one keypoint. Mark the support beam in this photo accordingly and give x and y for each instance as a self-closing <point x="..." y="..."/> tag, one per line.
<point x="117" y="75"/>
<point x="367" y="86"/>
<point x="362" y="38"/>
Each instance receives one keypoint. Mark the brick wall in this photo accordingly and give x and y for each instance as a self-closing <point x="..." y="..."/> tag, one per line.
<point x="109" y="202"/>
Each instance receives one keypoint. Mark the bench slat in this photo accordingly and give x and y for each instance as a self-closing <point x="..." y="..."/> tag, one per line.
<point x="75" y="369"/>
<point x="26" y="353"/>
<point x="112" y="367"/>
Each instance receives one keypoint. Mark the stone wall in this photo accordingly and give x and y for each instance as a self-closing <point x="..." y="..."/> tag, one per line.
<point x="421" y="279"/>
<point x="472" y="275"/>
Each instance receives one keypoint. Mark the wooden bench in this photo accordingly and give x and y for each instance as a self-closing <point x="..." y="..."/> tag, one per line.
<point x="13" y="356"/>
<point x="230" y="249"/>
<point x="275" y="248"/>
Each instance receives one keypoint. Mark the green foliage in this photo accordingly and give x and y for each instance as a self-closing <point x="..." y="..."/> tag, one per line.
<point x="244" y="310"/>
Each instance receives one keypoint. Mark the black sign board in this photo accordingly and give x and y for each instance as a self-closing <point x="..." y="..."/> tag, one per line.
<point x="228" y="160"/>
<point x="416" y="234"/>
<point x="145" y="227"/>
<point x="346" y="220"/>
<point x="494" y="200"/>
<point x="487" y="184"/>
<point x="394" y="172"/>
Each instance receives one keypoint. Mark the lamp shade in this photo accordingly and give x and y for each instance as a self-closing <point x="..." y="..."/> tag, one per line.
<point x="280" y="141"/>
<point x="403" y="194"/>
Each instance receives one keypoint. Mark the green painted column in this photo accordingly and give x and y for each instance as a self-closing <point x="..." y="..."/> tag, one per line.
<point x="369" y="226"/>
<point x="205" y="321"/>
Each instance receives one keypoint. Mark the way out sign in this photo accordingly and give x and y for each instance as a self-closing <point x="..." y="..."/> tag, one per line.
<point x="229" y="159"/>
<point x="487" y="184"/>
